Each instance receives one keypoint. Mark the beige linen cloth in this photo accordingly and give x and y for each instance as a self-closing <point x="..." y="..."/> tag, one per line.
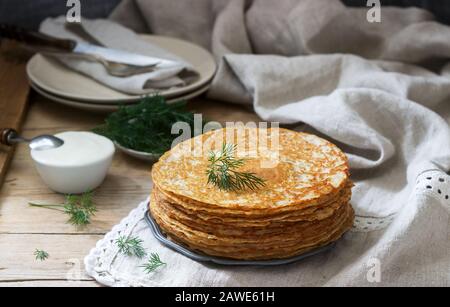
<point x="113" y="35"/>
<point x="381" y="91"/>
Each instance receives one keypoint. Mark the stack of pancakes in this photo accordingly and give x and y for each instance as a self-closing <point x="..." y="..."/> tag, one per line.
<point x="303" y="205"/>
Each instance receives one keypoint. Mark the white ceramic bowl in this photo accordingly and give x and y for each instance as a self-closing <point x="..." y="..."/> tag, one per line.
<point x="79" y="166"/>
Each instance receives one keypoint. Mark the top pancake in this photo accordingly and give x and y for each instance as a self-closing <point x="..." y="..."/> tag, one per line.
<point x="303" y="168"/>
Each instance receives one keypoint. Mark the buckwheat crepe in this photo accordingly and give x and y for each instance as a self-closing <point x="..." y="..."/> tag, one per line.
<point x="305" y="168"/>
<point x="303" y="205"/>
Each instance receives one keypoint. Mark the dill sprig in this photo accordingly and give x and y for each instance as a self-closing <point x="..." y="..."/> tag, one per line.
<point x="146" y="126"/>
<point x="80" y="208"/>
<point x="223" y="174"/>
<point x="153" y="263"/>
<point x="41" y="255"/>
<point x="131" y="246"/>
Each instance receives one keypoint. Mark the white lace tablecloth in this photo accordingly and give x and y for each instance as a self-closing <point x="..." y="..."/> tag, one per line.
<point x="408" y="248"/>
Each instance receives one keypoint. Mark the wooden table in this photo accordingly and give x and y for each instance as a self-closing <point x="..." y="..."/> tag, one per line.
<point x="24" y="228"/>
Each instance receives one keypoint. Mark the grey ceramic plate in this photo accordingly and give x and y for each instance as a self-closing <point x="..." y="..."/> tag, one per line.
<point x="205" y="258"/>
<point x="57" y="79"/>
<point x="145" y="156"/>
<point x="103" y="107"/>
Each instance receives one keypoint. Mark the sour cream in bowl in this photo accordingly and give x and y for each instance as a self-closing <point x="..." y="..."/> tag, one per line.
<point x="78" y="166"/>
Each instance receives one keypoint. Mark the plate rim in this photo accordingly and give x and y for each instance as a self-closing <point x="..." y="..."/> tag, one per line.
<point x="144" y="156"/>
<point x="101" y="106"/>
<point x="131" y="98"/>
<point x="159" y="236"/>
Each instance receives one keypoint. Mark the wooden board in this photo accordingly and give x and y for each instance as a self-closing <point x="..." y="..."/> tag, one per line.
<point x="14" y="90"/>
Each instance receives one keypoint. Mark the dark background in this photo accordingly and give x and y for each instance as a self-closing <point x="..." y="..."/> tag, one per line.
<point x="29" y="13"/>
<point x="440" y="8"/>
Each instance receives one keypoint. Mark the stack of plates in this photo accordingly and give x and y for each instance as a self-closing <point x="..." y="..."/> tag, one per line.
<point x="55" y="81"/>
<point x="303" y="206"/>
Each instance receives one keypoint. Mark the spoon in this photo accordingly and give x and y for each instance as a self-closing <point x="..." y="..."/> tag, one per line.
<point x="10" y="137"/>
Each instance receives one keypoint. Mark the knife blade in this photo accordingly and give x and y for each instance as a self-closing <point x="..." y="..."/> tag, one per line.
<point x="46" y="43"/>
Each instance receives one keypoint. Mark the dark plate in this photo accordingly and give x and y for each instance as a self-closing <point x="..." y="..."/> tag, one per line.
<point x="224" y="261"/>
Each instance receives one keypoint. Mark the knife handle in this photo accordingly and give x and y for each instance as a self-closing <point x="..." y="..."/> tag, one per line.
<point x="5" y="134"/>
<point x="36" y="39"/>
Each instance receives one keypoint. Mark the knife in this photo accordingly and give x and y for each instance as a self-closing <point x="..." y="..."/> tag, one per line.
<point x="49" y="44"/>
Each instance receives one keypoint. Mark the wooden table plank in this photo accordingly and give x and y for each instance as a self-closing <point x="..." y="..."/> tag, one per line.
<point x="65" y="262"/>
<point x="14" y="91"/>
<point x="23" y="228"/>
<point x="18" y="217"/>
<point x="138" y="172"/>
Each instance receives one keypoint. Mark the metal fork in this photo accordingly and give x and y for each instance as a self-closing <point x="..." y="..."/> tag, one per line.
<point x="113" y="68"/>
<point x="54" y="46"/>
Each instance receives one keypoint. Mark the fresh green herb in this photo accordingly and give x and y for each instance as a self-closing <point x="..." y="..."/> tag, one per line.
<point x="79" y="208"/>
<point x="131" y="246"/>
<point x="147" y="126"/>
<point x="222" y="171"/>
<point x="153" y="263"/>
<point x="41" y="255"/>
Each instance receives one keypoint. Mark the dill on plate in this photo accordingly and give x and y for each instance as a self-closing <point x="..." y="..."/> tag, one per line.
<point x="146" y="126"/>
